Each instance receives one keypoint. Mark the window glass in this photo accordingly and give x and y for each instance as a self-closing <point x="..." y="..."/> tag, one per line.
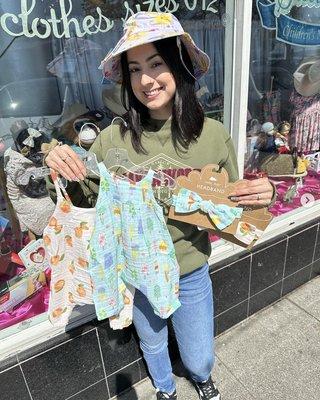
<point x="283" y="123"/>
<point x="50" y="86"/>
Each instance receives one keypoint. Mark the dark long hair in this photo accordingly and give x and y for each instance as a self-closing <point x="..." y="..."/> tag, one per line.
<point x="187" y="113"/>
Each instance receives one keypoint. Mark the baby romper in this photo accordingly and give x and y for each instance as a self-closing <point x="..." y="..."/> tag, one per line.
<point x="131" y="245"/>
<point x="66" y="239"/>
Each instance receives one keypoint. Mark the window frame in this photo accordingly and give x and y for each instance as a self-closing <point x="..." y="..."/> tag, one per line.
<point x="235" y="120"/>
<point x="236" y="77"/>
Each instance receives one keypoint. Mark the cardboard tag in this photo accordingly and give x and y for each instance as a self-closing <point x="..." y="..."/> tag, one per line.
<point x="215" y="186"/>
<point x="34" y="255"/>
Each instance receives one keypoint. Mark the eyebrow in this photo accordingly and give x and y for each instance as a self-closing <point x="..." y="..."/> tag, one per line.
<point x="147" y="59"/>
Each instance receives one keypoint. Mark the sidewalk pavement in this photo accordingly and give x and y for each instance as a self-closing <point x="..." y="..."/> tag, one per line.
<point x="273" y="355"/>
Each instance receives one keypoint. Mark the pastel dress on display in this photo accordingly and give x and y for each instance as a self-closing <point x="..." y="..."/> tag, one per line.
<point x="305" y="122"/>
<point x="131" y="248"/>
<point x="66" y="239"/>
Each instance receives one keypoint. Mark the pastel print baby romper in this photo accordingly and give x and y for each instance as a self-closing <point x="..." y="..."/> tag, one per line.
<point x="131" y="245"/>
<point x="67" y="239"/>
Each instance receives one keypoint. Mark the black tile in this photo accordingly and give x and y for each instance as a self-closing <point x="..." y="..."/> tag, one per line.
<point x="230" y="260"/>
<point x="302" y="227"/>
<point x="55" y="341"/>
<point x="317" y="249"/>
<point x="299" y="278"/>
<point x="230" y="318"/>
<point x="268" y="243"/>
<point x="143" y="369"/>
<point x="124" y="379"/>
<point x="119" y="347"/>
<point x="66" y="369"/>
<point x="13" y="386"/>
<point x="8" y="363"/>
<point x="179" y="370"/>
<point x="98" y="391"/>
<point x="267" y="267"/>
<point x="300" y="250"/>
<point x="315" y="269"/>
<point x="172" y="343"/>
<point x="264" y="298"/>
<point x="231" y="284"/>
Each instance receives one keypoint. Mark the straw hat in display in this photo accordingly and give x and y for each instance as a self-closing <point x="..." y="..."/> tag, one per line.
<point x="70" y="113"/>
<point x="111" y="98"/>
<point x="307" y="78"/>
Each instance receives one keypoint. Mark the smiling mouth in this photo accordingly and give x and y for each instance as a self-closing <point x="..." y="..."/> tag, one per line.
<point x="152" y="93"/>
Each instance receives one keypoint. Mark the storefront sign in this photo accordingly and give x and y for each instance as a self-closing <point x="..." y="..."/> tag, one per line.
<point x="56" y="26"/>
<point x="61" y="24"/>
<point x="283" y="7"/>
<point x="289" y="30"/>
<point x="171" y="6"/>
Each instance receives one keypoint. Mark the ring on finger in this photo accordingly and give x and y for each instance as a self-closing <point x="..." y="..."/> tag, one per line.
<point x="258" y="196"/>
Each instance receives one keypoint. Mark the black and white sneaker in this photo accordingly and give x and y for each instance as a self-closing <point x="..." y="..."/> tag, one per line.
<point x="166" y="396"/>
<point x="207" y="390"/>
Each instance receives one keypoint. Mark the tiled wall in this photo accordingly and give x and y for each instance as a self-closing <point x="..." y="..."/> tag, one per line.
<point x="93" y="362"/>
<point x="252" y="280"/>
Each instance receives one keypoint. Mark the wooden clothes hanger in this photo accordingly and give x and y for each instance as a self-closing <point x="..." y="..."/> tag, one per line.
<point x="117" y="157"/>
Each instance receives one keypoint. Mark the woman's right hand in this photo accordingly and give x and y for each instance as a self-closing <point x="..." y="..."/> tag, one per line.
<point x="66" y="162"/>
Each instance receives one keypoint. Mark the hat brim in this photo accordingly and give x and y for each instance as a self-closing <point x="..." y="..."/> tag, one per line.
<point x="111" y="65"/>
<point x="111" y="98"/>
<point x="302" y="82"/>
<point x="70" y="114"/>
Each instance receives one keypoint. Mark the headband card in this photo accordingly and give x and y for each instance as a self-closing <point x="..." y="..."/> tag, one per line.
<point x="201" y="199"/>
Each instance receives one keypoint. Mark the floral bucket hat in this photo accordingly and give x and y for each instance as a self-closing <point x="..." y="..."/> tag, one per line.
<point x="147" y="27"/>
<point x="307" y="78"/>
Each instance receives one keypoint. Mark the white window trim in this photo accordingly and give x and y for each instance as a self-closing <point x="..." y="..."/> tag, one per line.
<point x="278" y="226"/>
<point x="237" y="63"/>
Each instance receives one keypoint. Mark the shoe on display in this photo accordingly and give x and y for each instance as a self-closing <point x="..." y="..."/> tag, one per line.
<point x="207" y="390"/>
<point x="166" y="396"/>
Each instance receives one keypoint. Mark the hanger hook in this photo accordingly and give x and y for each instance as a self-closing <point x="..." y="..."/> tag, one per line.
<point x="114" y="119"/>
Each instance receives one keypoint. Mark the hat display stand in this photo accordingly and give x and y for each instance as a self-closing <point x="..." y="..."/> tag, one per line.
<point x="15" y="226"/>
<point x="307" y="78"/>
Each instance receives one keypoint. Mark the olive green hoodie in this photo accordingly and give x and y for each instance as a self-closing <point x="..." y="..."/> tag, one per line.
<point x="214" y="146"/>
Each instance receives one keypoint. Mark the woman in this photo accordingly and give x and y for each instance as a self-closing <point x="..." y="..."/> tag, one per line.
<point x="158" y="64"/>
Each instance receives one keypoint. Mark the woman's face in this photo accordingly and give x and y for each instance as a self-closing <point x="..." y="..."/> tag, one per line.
<point x="151" y="80"/>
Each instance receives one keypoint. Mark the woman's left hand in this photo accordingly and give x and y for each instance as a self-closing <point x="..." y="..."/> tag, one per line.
<point x="256" y="192"/>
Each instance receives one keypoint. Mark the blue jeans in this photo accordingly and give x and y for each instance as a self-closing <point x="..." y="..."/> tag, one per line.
<point x="193" y="326"/>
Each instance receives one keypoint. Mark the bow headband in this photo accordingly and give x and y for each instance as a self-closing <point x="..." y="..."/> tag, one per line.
<point x="221" y="215"/>
<point x="33" y="133"/>
<point x="47" y="147"/>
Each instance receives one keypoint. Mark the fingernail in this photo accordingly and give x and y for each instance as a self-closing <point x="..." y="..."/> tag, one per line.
<point x="233" y="198"/>
<point x="75" y="179"/>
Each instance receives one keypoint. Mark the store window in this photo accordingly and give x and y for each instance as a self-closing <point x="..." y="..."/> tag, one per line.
<point x="50" y="86"/>
<point x="283" y="123"/>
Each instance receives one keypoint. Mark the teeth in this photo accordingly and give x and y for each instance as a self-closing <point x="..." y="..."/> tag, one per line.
<point x="152" y="92"/>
